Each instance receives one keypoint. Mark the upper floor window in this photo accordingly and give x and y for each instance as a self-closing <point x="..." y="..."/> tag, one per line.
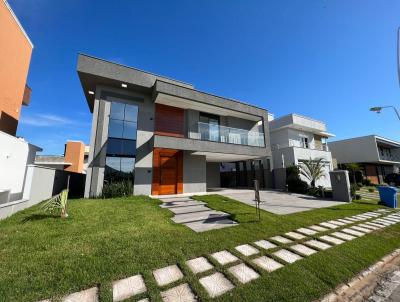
<point x="304" y="142"/>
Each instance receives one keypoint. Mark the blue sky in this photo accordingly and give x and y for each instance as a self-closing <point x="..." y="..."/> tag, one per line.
<point x="330" y="60"/>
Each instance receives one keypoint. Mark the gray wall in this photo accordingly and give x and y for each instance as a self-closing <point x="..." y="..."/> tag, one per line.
<point x="355" y="150"/>
<point x="213" y="175"/>
<point x="194" y="173"/>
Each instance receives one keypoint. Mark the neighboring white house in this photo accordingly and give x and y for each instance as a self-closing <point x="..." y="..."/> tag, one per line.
<point x="296" y="138"/>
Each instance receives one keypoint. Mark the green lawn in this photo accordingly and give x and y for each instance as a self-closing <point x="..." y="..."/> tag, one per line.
<point x="44" y="256"/>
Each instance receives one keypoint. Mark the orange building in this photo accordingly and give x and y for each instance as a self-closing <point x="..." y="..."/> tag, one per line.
<point x="15" y="55"/>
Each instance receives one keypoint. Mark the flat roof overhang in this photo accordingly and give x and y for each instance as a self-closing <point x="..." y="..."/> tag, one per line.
<point x="187" y="98"/>
<point x="305" y="128"/>
<point x="216" y="157"/>
<point x="94" y="72"/>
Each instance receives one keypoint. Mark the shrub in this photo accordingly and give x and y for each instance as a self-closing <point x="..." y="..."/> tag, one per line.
<point x="317" y="192"/>
<point x="353" y="189"/>
<point x="294" y="182"/>
<point x="359" y="184"/>
<point x="358" y="197"/>
<point x="117" y="189"/>
<point x="367" y="182"/>
<point x="371" y="190"/>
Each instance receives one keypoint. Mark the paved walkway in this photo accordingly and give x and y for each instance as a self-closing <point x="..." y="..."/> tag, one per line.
<point x="195" y="215"/>
<point x="278" y="202"/>
<point x="246" y="262"/>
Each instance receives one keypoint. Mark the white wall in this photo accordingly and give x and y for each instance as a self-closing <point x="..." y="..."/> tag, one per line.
<point x="15" y="155"/>
<point x="355" y="150"/>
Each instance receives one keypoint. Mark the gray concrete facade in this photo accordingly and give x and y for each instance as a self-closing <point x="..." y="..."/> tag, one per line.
<point x="101" y="82"/>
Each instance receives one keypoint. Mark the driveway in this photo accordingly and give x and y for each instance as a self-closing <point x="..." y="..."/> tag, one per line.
<point x="278" y="202"/>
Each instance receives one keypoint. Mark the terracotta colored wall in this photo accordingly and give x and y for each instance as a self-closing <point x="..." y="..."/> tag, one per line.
<point x="74" y="154"/>
<point x="371" y="173"/>
<point x="169" y="121"/>
<point x="15" y="56"/>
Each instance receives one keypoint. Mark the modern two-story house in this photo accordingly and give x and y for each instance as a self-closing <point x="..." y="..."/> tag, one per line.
<point x="295" y="139"/>
<point x="377" y="156"/>
<point x="167" y="137"/>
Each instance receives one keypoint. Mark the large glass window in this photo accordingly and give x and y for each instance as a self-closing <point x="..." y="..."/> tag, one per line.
<point x="121" y="143"/>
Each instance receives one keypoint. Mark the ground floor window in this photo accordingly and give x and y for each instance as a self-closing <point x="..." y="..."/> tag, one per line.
<point x="119" y="168"/>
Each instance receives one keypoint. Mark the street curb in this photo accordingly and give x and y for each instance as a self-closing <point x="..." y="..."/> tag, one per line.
<point x="334" y="296"/>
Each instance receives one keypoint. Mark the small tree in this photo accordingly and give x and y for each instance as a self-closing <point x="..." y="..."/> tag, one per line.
<point x="312" y="170"/>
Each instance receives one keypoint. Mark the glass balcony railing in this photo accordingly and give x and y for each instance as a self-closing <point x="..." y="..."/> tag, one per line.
<point x="222" y="134"/>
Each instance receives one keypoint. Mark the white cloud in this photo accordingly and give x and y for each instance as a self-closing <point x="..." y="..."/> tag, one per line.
<point x="47" y="120"/>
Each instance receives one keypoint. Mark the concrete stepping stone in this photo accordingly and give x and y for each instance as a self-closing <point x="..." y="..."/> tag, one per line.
<point x="343" y="236"/>
<point x="353" y="232"/>
<point x="243" y="273"/>
<point x="306" y="231"/>
<point x="329" y="225"/>
<point x="199" y="265"/>
<point x="224" y="257"/>
<point x="208" y="225"/>
<point x="345" y="221"/>
<point x="294" y="235"/>
<point x="180" y="293"/>
<point x="338" y="223"/>
<point x="302" y="249"/>
<point x="281" y="239"/>
<point x="364" y="225"/>
<point x="216" y="284"/>
<point x="87" y="295"/>
<point x="167" y="275"/>
<point x="264" y="244"/>
<point x="352" y="219"/>
<point x="318" y="244"/>
<point x="191" y="209"/>
<point x="287" y="256"/>
<point x="331" y="239"/>
<point x="179" y="204"/>
<point x="206" y="215"/>
<point x="247" y="250"/>
<point x="384" y="223"/>
<point x="318" y="228"/>
<point x="361" y="229"/>
<point x="378" y="225"/>
<point x="357" y="218"/>
<point x="128" y="287"/>
<point x="267" y="264"/>
<point x="144" y="300"/>
<point x="387" y="221"/>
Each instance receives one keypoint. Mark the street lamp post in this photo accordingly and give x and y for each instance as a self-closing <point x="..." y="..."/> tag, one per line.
<point x="379" y="109"/>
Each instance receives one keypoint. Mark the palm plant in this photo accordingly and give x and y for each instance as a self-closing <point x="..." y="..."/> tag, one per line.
<point x="57" y="202"/>
<point x="312" y="170"/>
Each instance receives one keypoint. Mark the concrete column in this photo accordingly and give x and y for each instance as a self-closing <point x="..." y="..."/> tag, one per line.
<point x="340" y="185"/>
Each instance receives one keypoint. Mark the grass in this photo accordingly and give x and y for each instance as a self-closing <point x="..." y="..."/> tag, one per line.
<point x="43" y="256"/>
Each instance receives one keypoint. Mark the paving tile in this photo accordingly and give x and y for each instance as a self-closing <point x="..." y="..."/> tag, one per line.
<point x="346" y="221"/>
<point x="328" y="225"/>
<point x="386" y="221"/>
<point x="247" y="250"/>
<point x="207" y="225"/>
<point x="243" y="273"/>
<point x="306" y="231"/>
<point x="287" y="256"/>
<point x="267" y="264"/>
<point x="189" y="209"/>
<point x="363" y="225"/>
<point x="87" y="295"/>
<point x="357" y="218"/>
<point x="180" y="293"/>
<point x="294" y="235"/>
<point x="144" y="300"/>
<point x="318" y="244"/>
<point x="302" y="249"/>
<point x="352" y="219"/>
<point x="331" y="239"/>
<point x="167" y="275"/>
<point x="216" y="284"/>
<point x="199" y="265"/>
<point x="353" y="232"/>
<point x="360" y="229"/>
<point x="343" y="236"/>
<point x="128" y="287"/>
<point x="266" y="245"/>
<point x="338" y="223"/>
<point x="375" y="224"/>
<point x="318" y="228"/>
<point x="224" y="257"/>
<point x="281" y="239"/>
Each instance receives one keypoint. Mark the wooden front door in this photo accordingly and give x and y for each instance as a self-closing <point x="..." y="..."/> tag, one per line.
<point x="167" y="172"/>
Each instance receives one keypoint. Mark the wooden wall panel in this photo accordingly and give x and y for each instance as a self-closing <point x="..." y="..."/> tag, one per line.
<point x="169" y="121"/>
<point x="158" y="154"/>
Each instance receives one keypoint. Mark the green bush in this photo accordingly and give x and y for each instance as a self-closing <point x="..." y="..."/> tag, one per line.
<point x="294" y="182"/>
<point x="353" y="189"/>
<point x="367" y="182"/>
<point x="120" y="188"/>
<point x="317" y="192"/>
<point x="371" y="190"/>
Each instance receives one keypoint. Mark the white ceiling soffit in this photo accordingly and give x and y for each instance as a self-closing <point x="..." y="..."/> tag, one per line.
<point x="174" y="101"/>
<point x="223" y="157"/>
